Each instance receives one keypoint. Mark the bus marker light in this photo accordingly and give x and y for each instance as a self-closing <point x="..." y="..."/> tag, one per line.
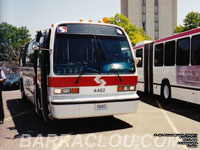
<point x="126" y="88"/>
<point x="120" y="88"/>
<point x="105" y="20"/>
<point x="75" y="90"/>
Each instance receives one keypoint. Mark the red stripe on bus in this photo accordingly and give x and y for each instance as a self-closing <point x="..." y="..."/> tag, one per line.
<point x="186" y="33"/>
<point x="91" y="81"/>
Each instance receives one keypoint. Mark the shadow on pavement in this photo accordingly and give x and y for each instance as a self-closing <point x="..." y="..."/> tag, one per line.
<point x="189" y="110"/>
<point x="27" y="122"/>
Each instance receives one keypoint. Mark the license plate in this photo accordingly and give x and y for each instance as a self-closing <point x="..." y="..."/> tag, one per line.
<point x="102" y="106"/>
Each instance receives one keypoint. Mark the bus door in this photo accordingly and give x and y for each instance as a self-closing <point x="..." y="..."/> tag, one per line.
<point x="148" y="68"/>
<point x="41" y="69"/>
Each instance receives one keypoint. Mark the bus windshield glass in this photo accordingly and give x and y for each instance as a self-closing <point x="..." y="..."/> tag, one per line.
<point x="92" y="54"/>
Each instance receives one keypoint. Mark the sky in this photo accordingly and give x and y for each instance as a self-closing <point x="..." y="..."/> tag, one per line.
<point x="40" y="14"/>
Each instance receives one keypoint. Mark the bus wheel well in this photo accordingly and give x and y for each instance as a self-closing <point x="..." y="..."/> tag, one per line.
<point x="165" y="90"/>
<point x="165" y="81"/>
<point x="38" y="100"/>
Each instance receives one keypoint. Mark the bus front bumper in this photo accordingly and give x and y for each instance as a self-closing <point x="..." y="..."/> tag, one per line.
<point x="93" y="107"/>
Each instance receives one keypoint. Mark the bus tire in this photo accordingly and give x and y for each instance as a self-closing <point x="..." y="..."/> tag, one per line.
<point x="37" y="102"/>
<point x="165" y="91"/>
<point x="44" y="107"/>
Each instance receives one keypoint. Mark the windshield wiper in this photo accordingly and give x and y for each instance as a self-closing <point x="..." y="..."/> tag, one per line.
<point x="83" y="71"/>
<point x="102" y="53"/>
<point x="79" y="76"/>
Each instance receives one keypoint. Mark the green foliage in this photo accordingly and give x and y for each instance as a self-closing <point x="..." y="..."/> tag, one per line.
<point x="179" y="29"/>
<point x="135" y="34"/>
<point x="191" y="21"/>
<point x="12" y="40"/>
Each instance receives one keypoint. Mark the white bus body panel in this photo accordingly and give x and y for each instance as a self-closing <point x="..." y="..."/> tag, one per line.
<point x="140" y="85"/>
<point x="178" y="91"/>
<point x="67" y="110"/>
<point x="83" y="104"/>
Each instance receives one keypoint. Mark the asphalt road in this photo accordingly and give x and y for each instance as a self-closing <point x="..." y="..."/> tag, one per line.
<point x="155" y="126"/>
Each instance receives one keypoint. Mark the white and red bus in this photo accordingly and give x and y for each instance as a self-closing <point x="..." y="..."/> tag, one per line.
<point x="77" y="70"/>
<point x="170" y="66"/>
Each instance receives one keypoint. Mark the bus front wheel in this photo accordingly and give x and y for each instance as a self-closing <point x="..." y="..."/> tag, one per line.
<point x="37" y="102"/>
<point x="44" y="107"/>
<point x="165" y="91"/>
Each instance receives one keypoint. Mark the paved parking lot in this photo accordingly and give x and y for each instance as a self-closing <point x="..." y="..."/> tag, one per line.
<point x="156" y="125"/>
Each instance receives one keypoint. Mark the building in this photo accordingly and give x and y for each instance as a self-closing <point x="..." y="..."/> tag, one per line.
<point x="157" y="17"/>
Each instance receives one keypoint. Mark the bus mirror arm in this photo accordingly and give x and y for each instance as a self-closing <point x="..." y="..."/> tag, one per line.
<point x="45" y="49"/>
<point x="37" y="47"/>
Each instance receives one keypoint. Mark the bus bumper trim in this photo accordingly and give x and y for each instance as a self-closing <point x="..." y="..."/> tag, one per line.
<point x="93" y="102"/>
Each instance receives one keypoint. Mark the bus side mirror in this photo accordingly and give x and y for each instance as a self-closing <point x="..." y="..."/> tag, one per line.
<point x="138" y="62"/>
<point x="36" y="46"/>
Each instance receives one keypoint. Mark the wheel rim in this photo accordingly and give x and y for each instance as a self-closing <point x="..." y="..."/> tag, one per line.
<point x="166" y="92"/>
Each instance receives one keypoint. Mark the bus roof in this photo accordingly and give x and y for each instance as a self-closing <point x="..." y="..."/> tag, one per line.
<point x="78" y="22"/>
<point x="92" y="28"/>
<point x="141" y="44"/>
<point x="172" y="37"/>
<point x="179" y="35"/>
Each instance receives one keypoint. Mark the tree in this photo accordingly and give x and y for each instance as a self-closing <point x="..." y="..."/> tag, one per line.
<point x="135" y="34"/>
<point x="191" y="21"/>
<point x="179" y="29"/>
<point x="12" y="40"/>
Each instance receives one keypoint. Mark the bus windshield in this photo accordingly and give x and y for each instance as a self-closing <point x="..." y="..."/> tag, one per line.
<point x="92" y="54"/>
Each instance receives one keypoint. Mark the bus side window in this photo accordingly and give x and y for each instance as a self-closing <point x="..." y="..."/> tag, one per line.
<point x="183" y="52"/>
<point x="44" y="42"/>
<point x="169" y="53"/>
<point x="158" y="56"/>
<point x="139" y="57"/>
<point x="29" y="55"/>
<point x="195" y="53"/>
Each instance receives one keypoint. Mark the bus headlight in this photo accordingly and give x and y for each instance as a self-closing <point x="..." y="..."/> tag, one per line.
<point x="66" y="90"/>
<point x="126" y="88"/>
<point x="133" y="88"/>
<point x="57" y="91"/>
